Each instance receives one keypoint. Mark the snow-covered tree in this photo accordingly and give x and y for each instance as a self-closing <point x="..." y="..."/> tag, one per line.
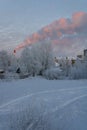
<point x="79" y="69"/>
<point x="14" y="63"/>
<point x="4" y="60"/>
<point x="65" y="64"/>
<point x="37" y="58"/>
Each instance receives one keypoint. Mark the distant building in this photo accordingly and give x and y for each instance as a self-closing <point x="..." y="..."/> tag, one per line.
<point x="80" y="56"/>
<point x="82" y="59"/>
<point x="85" y="53"/>
<point x="56" y="62"/>
<point x="2" y="74"/>
<point x="73" y="61"/>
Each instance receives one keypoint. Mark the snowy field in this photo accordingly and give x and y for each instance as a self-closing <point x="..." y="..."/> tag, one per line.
<point x="40" y="104"/>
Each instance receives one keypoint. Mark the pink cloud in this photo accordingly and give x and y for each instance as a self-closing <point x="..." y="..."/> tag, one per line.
<point x="61" y="32"/>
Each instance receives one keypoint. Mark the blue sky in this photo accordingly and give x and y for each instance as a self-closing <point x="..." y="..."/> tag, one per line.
<point x="37" y="13"/>
<point x="23" y="17"/>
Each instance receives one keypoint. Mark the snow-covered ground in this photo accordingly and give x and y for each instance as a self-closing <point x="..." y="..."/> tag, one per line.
<point x="40" y="104"/>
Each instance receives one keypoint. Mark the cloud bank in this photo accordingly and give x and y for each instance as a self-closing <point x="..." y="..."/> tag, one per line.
<point x="68" y="35"/>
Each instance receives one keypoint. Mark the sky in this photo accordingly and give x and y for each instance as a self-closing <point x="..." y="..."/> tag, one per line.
<point x="20" y="18"/>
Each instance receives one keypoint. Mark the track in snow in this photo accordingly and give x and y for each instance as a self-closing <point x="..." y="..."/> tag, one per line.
<point x="18" y="100"/>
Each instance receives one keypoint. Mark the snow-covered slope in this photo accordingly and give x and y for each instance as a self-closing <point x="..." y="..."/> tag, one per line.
<point x="37" y="104"/>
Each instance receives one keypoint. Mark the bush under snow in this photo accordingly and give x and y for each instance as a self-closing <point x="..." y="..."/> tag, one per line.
<point x="79" y="70"/>
<point x="53" y="73"/>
